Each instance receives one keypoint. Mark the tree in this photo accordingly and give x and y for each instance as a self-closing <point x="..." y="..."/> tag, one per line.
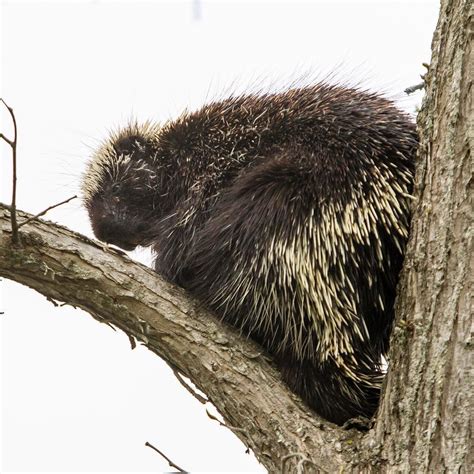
<point x="422" y="421"/>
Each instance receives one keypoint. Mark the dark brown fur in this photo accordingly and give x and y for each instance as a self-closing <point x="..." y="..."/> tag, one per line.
<point x="287" y="214"/>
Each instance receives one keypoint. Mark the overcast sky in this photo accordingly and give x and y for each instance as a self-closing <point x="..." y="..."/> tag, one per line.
<point x="75" y="397"/>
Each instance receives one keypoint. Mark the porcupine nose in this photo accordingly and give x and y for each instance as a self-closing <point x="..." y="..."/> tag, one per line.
<point x="116" y="232"/>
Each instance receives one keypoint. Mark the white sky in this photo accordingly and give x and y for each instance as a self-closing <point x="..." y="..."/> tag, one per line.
<point x="74" y="396"/>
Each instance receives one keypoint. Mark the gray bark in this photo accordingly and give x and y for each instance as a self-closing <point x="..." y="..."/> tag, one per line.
<point x="232" y="372"/>
<point x="423" y="424"/>
<point x="424" y="419"/>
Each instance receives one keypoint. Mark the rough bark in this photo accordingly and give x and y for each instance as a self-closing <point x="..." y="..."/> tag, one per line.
<point x="423" y="424"/>
<point x="232" y="372"/>
<point x="424" y="418"/>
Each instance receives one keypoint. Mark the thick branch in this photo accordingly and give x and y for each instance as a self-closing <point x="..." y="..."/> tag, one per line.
<point x="246" y="390"/>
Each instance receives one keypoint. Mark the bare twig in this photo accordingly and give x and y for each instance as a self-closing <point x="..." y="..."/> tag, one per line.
<point x="12" y="143"/>
<point x="3" y="137"/>
<point x="196" y="395"/>
<point x="230" y="427"/>
<point x="54" y="303"/>
<point x="42" y="213"/>
<point x="133" y="342"/>
<point x="170" y="462"/>
<point x="411" y="89"/>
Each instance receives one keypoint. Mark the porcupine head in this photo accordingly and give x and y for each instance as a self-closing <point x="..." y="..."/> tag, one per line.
<point x="122" y="188"/>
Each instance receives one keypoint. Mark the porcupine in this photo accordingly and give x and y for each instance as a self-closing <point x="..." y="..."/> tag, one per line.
<point x="286" y="213"/>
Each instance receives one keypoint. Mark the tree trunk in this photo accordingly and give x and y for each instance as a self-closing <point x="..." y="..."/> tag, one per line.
<point x="423" y="424"/>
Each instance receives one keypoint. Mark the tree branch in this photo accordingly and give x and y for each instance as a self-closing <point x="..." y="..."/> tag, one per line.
<point x="247" y="391"/>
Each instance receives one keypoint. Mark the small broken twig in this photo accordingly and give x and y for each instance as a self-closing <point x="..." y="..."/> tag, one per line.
<point x="12" y="144"/>
<point x="133" y="342"/>
<point x="42" y="213"/>
<point x="411" y="89"/>
<point x="196" y="395"/>
<point x="232" y="428"/>
<point x="170" y="462"/>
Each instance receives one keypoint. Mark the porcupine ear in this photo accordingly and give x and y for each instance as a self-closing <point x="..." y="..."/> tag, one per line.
<point x="136" y="140"/>
<point x="127" y="144"/>
<point x="134" y="145"/>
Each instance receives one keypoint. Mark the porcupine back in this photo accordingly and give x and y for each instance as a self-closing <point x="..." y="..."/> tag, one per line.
<point x="291" y="219"/>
